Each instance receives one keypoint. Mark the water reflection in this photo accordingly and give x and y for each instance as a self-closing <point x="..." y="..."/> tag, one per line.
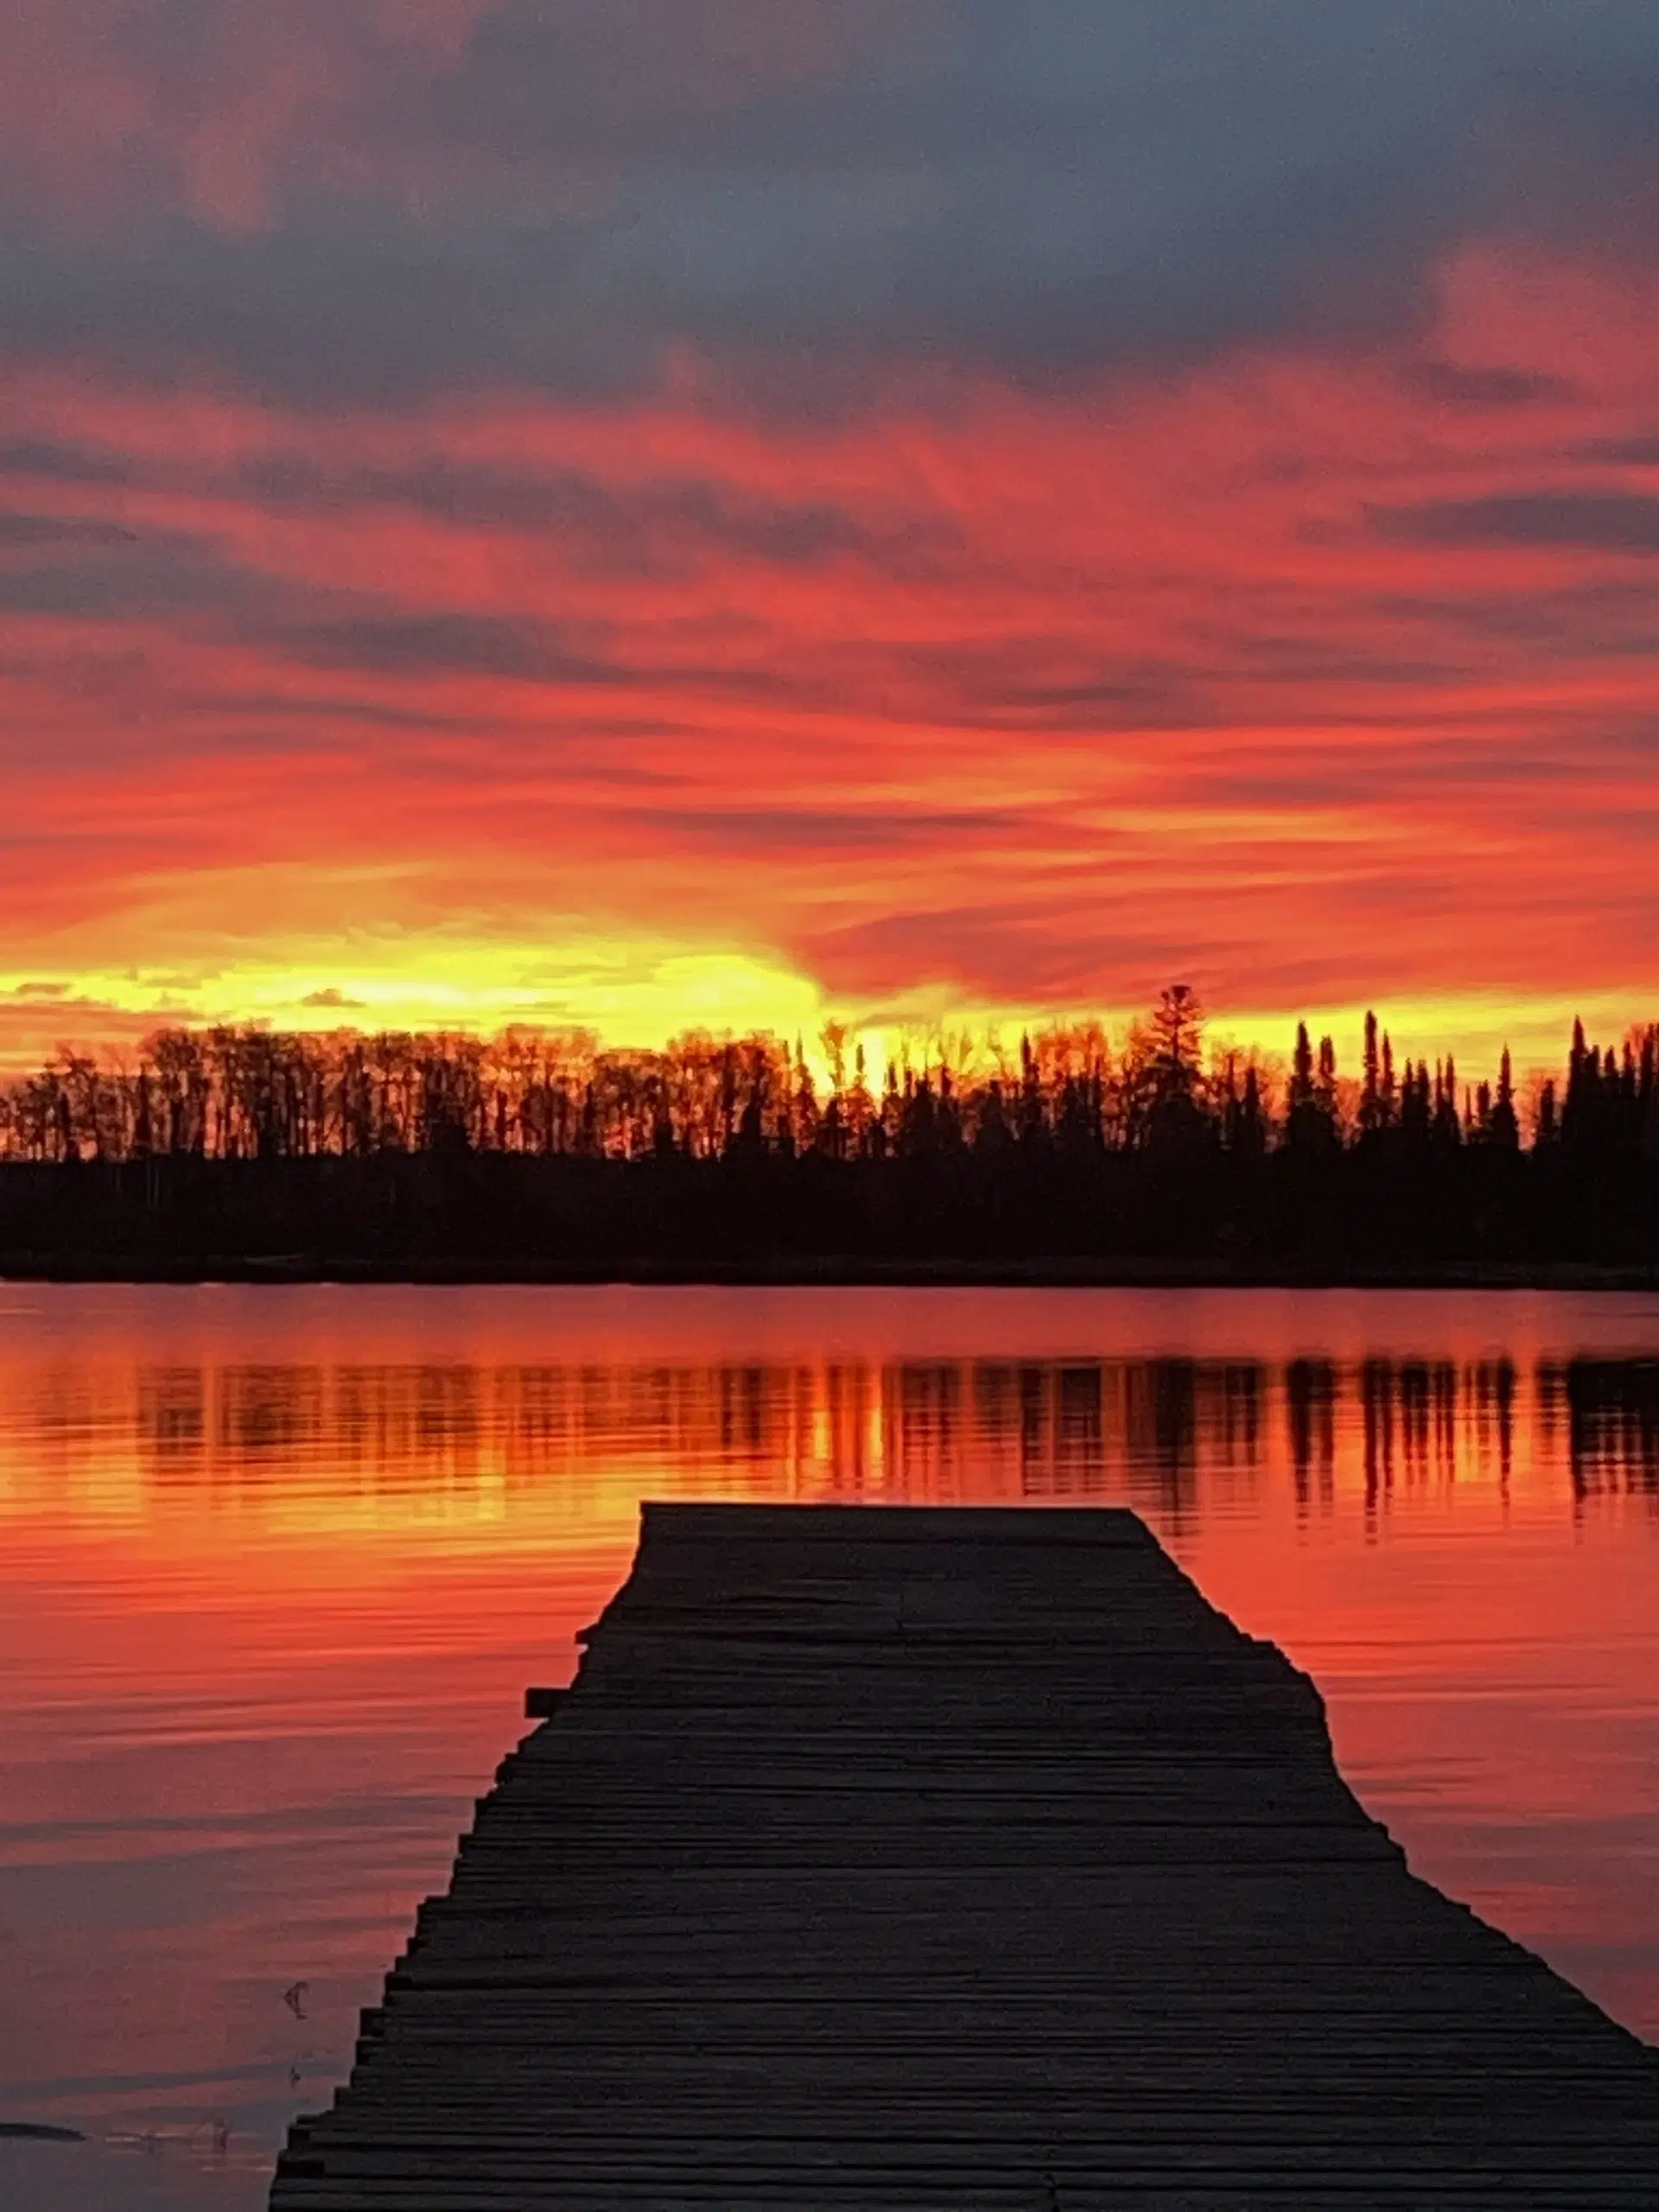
<point x="1612" y="1422"/>
<point x="1165" y="1432"/>
<point x="275" y="1570"/>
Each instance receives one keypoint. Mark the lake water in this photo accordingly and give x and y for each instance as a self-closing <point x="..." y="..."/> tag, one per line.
<point x="277" y="1564"/>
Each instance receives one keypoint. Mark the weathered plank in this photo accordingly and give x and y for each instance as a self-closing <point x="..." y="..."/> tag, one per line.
<point x="952" y="1858"/>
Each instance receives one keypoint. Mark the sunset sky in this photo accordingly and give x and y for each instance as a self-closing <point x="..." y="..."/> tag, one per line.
<point x="655" y="513"/>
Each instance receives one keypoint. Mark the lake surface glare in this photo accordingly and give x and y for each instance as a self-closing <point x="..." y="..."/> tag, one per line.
<point x="277" y="1564"/>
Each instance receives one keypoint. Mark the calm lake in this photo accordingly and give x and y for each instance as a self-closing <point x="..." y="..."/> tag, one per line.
<point x="277" y="1564"/>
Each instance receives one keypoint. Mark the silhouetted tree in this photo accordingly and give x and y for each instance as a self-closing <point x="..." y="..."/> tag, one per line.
<point x="400" y="1142"/>
<point x="1503" y="1127"/>
<point x="1311" y="1130"/>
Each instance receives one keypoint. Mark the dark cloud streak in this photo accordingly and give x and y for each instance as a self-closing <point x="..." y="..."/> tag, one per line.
<point x="659" y="526"/>
<point x="1602" y="522"/>
<point x="820" y="829"/>
<point x="1032" y="193"/>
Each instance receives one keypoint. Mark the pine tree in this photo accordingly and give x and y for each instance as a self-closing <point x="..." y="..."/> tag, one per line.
<point x="1326" y="1088"/>
<point x="1550" y="1128"/>
<point x="1505" y="1131"/>
<point x="1448" y="1129"/>
<point x="1301" y="1070"/>
<point x="1370" y="1093"/>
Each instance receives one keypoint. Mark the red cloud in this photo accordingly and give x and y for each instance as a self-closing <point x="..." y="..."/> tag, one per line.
<point x="1316" y="679"/>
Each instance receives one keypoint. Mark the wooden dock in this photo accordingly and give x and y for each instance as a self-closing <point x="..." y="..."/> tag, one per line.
<point x="890" y="1859"/>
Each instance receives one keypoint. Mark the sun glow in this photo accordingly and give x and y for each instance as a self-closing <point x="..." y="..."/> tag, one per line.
<point x="638" y="993"/>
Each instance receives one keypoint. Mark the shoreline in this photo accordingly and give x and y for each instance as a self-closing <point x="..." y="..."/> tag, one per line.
<point x="838" y="1274"/>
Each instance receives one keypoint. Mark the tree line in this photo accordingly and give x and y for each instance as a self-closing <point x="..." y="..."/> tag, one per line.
<point x="545" y="1147"/>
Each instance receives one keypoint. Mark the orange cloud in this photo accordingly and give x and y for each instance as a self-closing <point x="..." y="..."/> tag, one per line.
<point x="1318" y="678"/>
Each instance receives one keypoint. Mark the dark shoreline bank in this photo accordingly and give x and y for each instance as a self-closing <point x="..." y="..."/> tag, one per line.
<point x="835" y="1273"/>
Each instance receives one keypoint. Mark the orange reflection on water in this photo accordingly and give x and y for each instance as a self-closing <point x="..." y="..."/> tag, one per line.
<point x="276" y="1566"/>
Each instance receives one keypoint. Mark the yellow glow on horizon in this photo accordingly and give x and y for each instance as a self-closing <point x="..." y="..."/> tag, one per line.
<point x="631" y="992"/>
<point x="637" y="992"/>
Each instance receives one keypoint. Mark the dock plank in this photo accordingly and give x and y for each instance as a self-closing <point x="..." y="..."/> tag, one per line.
<point x="950" y="1857"/>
